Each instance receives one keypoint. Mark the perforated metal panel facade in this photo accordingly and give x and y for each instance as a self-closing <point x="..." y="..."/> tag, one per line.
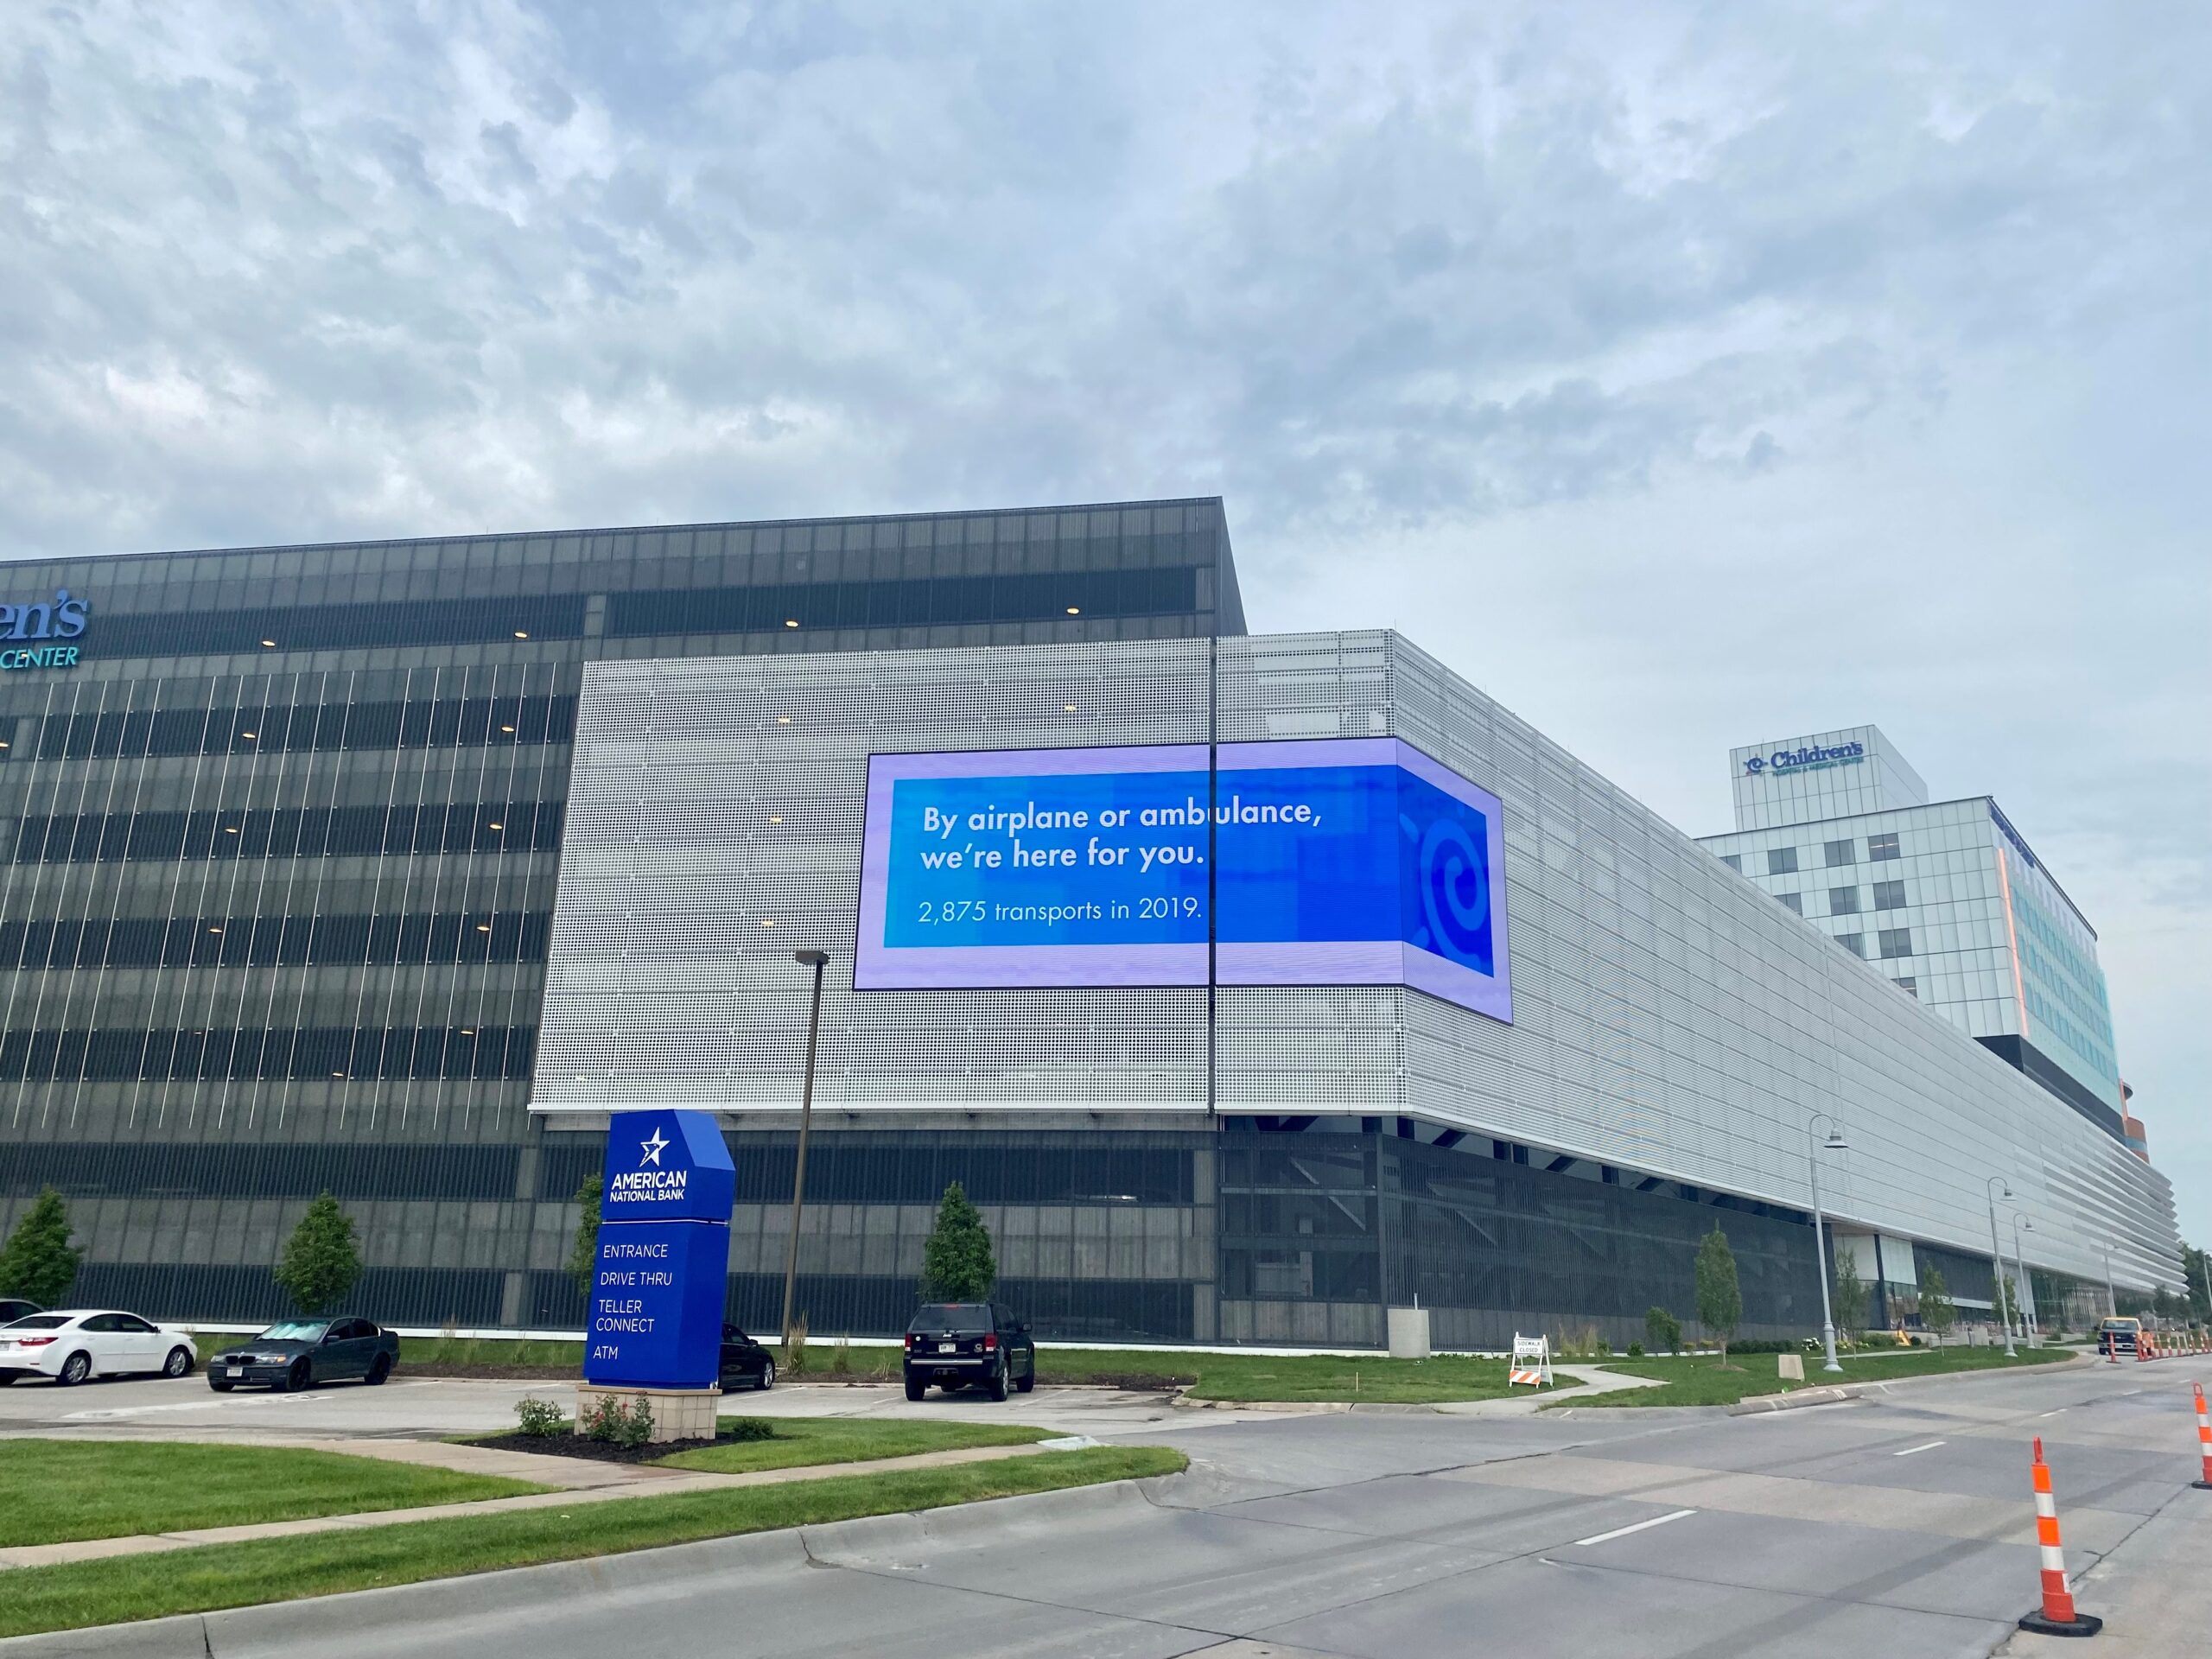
<point x="1673" y="1024"/>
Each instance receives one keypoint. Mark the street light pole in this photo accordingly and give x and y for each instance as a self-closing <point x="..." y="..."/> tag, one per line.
<point x="2029" y="1325"/>
<point x="2111" y="1302"/>
<point x="1997" y="1259"/>
<point x="816" y="960"/>
<point x="1835" y="1142"/>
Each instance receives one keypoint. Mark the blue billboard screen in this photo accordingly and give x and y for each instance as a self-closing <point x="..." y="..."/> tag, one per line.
<point x="1341" y="862"/>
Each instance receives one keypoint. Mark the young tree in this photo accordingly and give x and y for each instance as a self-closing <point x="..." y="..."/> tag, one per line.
<point x="1938" y="1312"/>
<point x="1662" y="1332"/>
<point x="321" y="1262"/>
<point x="583" y="1252"/>
<point x="38" y="1262"/>
<point x="1720" y="1295"/>
<point x="1850" y="1291"/>
<point x="956" y="1261"/>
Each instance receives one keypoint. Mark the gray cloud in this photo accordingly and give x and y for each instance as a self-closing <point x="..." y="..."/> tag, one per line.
<point x="1682" y="375"/>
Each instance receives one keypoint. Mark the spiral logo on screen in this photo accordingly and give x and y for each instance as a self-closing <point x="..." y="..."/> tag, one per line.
<point x="1451" y="876"/>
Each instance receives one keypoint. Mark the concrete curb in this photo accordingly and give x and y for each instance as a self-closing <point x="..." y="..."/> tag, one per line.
<point x="1796" y="1400"/>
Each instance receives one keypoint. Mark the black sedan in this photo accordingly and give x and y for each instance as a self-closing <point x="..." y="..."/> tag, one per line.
<point x="745" y="1363"/>
<point x="297" y="1354"/>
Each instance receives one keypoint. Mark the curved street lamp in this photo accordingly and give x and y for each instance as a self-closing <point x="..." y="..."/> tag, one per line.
<point x="1997" y="1261"/>
<point x="2030" y="1327"/>
<point x="1815" y="1147"/>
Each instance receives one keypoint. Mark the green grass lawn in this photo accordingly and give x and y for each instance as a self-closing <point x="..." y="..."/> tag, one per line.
<point x="1229" y="1377"/>
<point x="1697" y="1380"/>
<point x="59" y="1491"/>
<point x="800" y="1440"/>
<point x="202" y="1579"/>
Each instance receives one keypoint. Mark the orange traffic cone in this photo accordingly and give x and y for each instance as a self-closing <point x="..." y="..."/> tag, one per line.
<point x="2204" y="1441"/>
<point x="2057" y="1616"/>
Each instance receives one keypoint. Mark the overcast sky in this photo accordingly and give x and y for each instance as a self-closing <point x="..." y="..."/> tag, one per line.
<point x="1683" y="377"/>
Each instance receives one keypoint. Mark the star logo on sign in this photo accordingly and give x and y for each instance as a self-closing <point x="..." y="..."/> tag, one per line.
<point x="654" y="1148"/>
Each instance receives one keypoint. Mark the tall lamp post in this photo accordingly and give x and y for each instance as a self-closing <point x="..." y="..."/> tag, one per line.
<point x="1997" y="1259"/>
<point x="816" y="960"/>
<point x="2030" y="1327"/>
<point x="2111" y="1302"/>
<point x="1815" y="1147"/>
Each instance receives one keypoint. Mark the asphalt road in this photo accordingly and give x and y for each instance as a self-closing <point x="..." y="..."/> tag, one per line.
<point x="1900" y="1527"/>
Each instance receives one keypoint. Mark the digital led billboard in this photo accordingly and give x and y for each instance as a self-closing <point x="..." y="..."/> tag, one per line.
<point x="1351" y="861"/>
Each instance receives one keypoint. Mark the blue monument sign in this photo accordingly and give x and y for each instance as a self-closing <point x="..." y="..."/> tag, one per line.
<point x="663" y="1253"/>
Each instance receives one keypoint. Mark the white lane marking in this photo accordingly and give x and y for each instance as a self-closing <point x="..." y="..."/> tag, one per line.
<point x="2049" y="1413"/>
<point x="113" y="1413"/>
<point x="1623" y="1531"/>
<point x="1910" y="1450"/>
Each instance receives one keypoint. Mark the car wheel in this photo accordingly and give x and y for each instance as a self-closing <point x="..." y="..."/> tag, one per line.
<point x="916" y="1388"/>
<point x="298" y="1377"/>
<point x="1028" y="1379"/>
<point x="74" y="1369"/>
<point x="220" y="1384"/>
<point x="767" y="1380"/>
<point x="997" y="1381"/>
<point x="379" y="1368"/>
<point x="179" y="1363"/>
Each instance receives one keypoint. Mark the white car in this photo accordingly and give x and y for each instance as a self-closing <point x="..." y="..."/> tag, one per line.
<point x="70" y="1345"/>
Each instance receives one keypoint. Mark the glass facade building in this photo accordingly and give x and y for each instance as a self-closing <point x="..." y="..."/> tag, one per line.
<point x="389" y="869"/>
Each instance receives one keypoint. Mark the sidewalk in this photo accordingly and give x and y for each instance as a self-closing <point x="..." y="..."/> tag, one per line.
<point x="584" y="1481"/>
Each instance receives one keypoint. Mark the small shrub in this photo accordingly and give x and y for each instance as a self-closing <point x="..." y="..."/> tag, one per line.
<point x="1584" y="1344"/>
<point x="539" y="1418"/>
<point x="629" y="1426"/>
<point x="746" y="1428"/>
<point x="795" y="1349"/>
<point x="1662" y="1330"/>
<point x="1636" y="1350"/>
<point x="840" y="1358"/>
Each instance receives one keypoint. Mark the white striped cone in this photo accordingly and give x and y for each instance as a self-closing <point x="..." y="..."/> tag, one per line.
<point x="2057" y="1592"/>
<point x="2203" y="1437"/>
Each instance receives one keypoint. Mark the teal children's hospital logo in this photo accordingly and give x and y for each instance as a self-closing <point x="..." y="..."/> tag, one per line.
<point x="62" y="620"/>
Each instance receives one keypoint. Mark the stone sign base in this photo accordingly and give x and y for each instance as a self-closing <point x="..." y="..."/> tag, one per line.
<point x="678" y="1413"/>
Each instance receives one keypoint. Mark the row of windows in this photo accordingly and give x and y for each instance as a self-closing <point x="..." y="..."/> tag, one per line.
<point x="413" y="939"/>
<point x="243" y="1169"/>
<point x="326" y="1051"/>
<point x="290" y="832"/>
<point x="1891" y="943"/>
<point x="443" y="723"/>
<point x="1843" y="901"/>
<point x="332" y="627"/>
<point x="1027" y="597"/>
<point x="1783" y="860"/>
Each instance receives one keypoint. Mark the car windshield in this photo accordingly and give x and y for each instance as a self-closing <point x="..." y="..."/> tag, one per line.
<point x="295" y="1331"/>
<point x="40" y="1322"/>
<point x="951" y="1318"/>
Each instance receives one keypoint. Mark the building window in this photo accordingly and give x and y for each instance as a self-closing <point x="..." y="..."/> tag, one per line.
<point x="1889" y="895"/>
<point x="1843" y="901"/>
<point x="1895" y="942"/>
<point x="1842" y="852"/>
<point x="1854" y="943"/>
<point x="1911" y="987"/>
<point x="1881" y="846"/>
<point x="1733" y="861"/>
<point x="1793" y="902"/>
<point x="1781" y="861"/>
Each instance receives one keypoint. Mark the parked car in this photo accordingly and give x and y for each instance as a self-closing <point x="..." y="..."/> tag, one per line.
<point x="70" y="1345"/>
<point x="968" y="1345"/>
<point x="296" y="1354"/>
<point x="2117" y="1336"/>
<point x="15" y="1308"/>
<point x="746" y="1362"/>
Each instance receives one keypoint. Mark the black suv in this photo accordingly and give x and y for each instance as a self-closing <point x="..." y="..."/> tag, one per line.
<point x="967" y="1346"/>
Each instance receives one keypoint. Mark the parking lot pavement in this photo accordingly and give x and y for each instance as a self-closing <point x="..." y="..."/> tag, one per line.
<point x="186" y="1408"/>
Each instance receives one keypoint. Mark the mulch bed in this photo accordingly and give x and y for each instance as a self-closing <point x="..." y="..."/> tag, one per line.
<point x="566" y="1445"/>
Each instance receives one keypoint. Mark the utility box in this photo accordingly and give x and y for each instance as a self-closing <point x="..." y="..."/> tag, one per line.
<point x="1791" y="1367"/>
<point x="1408" y="1333"/>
